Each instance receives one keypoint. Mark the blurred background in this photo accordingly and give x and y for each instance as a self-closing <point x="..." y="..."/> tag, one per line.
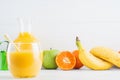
<point x="56" y="23"/>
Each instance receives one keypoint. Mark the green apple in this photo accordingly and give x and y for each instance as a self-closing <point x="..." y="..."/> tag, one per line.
<point x="49" y="58"/>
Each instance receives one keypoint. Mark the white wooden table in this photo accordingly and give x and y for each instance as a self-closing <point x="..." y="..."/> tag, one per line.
<point x="81" y="74"/>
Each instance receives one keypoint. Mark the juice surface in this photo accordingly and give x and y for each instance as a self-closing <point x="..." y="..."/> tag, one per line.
<point x="24" y="64"/>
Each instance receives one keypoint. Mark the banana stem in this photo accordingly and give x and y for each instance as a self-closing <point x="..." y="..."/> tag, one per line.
<point x="78" y="43"/>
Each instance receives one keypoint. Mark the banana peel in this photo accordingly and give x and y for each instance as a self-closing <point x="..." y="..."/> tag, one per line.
<point x="106" y="54"/>
<point x="91" y="61"/>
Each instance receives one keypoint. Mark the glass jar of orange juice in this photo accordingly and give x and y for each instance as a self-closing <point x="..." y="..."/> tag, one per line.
<point x="25" y="60"/>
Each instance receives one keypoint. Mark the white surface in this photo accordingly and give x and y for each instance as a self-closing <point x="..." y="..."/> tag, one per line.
<point x="82" y="74"/>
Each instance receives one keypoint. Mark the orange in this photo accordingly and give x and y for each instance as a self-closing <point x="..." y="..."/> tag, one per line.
<point x="78" y="62"/>
<point x="65" y="60"/>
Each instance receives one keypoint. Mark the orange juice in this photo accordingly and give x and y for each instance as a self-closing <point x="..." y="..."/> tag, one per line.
<point x="26" y="37"/>
<point x="24" y="64"/>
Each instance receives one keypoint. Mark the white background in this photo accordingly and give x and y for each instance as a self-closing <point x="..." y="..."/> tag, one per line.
<point x="57" y="22"/>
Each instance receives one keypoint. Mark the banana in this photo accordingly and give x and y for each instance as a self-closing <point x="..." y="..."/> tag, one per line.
<point x="91" y="61"/>
<point x="106" y="54"/>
